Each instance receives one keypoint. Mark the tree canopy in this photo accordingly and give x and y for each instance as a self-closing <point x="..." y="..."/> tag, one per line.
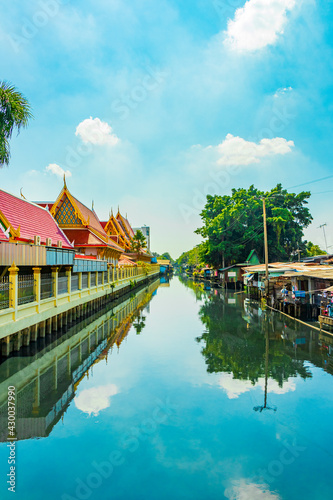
<point x="233" y="225"/>
<point x="312" y="249"/>
<point x="14" y="113"/>
<point x="191" y="258"/>
<point x="138" y="242"/>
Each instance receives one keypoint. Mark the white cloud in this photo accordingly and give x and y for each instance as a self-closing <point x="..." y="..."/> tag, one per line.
<point x="96" y="132"/>
<point x="55" y="169"/>
<point x="245" y="490"/>
<point x="257" y="24"/>
<point x="282" y="91"/>
<point x="96" y="399"/>
<point x="237" y="151"/>
<point x="235" y="387"/>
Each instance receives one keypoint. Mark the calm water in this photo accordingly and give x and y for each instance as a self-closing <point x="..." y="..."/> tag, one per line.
<point x="183" y="394"/>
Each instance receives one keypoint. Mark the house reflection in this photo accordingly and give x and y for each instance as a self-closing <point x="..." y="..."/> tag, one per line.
<point x="47" y="382"/>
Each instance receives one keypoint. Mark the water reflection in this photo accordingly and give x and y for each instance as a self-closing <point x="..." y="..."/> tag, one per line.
<point x="47" y="382"/>
<point x="254" y="347"/>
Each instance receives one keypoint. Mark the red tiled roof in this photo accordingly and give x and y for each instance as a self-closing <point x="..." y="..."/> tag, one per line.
<point x="32" y="219"/>
<point x="91" y="215"/>
<point x="84" y="237"/>
<point x="124" y="261"/>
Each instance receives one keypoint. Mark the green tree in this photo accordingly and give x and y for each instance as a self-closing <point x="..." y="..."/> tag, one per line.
<point x="191" y="258"/>
<point x="233" y="225"/>
<point x="139" y="242"/>
<point x="14" y="113"/>
<point x="167" y="256"/>
<point x="312" y="250"/>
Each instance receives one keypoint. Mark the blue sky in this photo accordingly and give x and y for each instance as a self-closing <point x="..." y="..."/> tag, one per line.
<point x="152" y="104"/>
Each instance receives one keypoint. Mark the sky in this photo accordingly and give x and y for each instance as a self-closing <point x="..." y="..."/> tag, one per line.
<point x="150" y="105"/>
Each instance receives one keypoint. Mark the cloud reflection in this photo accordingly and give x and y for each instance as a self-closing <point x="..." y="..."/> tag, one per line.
<point x="96" y="399"/>
<point x="243" y="490"/>
<point x="235" y="387"/>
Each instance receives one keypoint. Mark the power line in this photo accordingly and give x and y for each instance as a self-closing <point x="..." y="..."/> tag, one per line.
<point x="311" y="182"/>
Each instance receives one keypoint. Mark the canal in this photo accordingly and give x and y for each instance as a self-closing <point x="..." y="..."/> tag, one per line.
<point x="179" y="392"/>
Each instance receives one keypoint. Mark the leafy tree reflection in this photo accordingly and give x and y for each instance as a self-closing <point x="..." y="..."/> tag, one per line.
<point x="234" y="345"/>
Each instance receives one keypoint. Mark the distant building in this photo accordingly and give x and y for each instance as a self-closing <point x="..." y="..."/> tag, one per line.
<point x="146" y="233"/>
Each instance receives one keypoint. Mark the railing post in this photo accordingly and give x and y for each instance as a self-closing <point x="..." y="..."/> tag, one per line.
<point x="37" y="285"/>
<point x="55" y="271"/>
<point x="69" y="282"/>
<point x="89" y="281"/>
<point x="13" y="288"/>
<point x="79" y="281"/>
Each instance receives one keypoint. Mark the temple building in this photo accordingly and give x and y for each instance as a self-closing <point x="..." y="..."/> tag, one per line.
<point x="119" y="230"/>
<point x="83" y="228"/>
<point x="115" y="232"/>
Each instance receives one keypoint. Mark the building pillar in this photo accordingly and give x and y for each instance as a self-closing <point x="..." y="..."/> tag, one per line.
<point x="26" y="336"/>
<point x="60" y="321"/>
<point x="49" y="326"/>
<point x="54" y="323"/>
<point x="13" y="288"/>
<point x="69" y="281"/>
<point x="55" y="372"/>
<point x="36" y="402"/>
<point x="69" y="362"/>
<point x="37" y="285"/>
<point x="80" y="281"/>
<point x="42" y="329"/>
<point x="33" y="333"/>
<point x="17" y="341"/>
<point x="5" y="346"/>
<point x="55" y="271"/>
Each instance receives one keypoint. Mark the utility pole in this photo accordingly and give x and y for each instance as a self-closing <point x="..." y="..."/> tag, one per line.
<point x="323" y="226"/>
<point x="266" y="247"/>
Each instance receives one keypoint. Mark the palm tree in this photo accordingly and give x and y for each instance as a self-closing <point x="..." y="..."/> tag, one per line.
<point x="15" y="112"/>
<point x="138" y="242"/>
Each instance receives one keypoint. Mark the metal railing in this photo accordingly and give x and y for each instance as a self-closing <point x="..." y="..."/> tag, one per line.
<point x="46" y="286"/>
<point x="62" y="284"/>
<point x="4" y="293"/>
<point x="92" y="279"/>
<point x="84" y="280"/>
<point x="100" y="278"/>
<point x="74" y="282"/>
<point x="26" y="289"/>
<point x="105" y="276"/>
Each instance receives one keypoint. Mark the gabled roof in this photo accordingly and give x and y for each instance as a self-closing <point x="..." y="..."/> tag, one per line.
<point x="27" y="220"/>
<point x="124" y="261"/>
<point x="91" y="232"/>
<point x="125" y="225"/>
<point x="86" y="238"/>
